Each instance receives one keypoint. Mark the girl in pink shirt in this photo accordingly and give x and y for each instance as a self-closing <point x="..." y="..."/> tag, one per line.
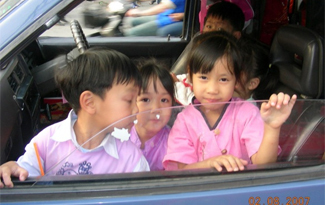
<point x="150" y="133"/>
<point x="212" y="133"/>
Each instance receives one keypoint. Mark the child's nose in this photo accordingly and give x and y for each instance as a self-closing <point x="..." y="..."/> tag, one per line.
<point x="155" y="106"/>
<point x="213" y="87"/>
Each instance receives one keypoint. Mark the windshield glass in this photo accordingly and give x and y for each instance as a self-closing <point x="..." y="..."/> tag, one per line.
<point x="121" y="18"/>
<point x="6" y="6"/>
<point x="301" y="138"/>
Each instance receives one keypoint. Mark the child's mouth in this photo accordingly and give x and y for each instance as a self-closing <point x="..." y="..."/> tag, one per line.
<point x="212" y="100"/>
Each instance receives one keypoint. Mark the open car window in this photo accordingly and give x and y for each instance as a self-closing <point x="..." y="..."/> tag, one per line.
<point x="301" y="138"/>
<point x="300" y="165"/>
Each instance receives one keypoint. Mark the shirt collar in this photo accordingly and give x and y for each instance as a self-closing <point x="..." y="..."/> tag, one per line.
<point x="155" y="139"/>
<point x="66" y="132"/>
<point x="152" y="141"/>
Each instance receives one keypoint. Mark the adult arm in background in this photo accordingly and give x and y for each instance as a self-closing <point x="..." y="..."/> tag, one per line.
<point x="157" y="9"/>
<point x="174" y="29"/>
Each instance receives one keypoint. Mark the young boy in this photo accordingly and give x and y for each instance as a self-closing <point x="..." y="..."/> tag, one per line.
<point x="102" y="87"/>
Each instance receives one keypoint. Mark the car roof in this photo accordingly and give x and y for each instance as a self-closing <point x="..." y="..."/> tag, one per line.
<point x="39" y="15"/>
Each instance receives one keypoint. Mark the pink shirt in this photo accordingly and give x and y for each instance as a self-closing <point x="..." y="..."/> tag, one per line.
<point x="155" y="148"/>
<point x="239" y="130"/>
<point x="57" y="141"/>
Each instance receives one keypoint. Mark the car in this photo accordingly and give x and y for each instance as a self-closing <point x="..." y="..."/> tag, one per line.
<point x="30" y="101"/>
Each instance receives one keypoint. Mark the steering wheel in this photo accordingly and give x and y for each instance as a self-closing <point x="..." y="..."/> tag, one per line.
<point x="79" y="36"/>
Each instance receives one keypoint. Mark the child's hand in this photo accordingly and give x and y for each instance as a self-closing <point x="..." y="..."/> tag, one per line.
<point x="230" y="162"/>
<point x="11" y="169"/>
<point x="176" y="16"/>
<point x="277" y="110"/>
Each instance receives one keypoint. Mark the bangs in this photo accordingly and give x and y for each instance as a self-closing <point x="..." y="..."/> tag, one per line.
<point x="152" y="72"/>
<point x="204" y="57"/>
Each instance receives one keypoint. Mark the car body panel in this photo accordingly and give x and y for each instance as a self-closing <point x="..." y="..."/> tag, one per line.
<point x="36" y="13"/>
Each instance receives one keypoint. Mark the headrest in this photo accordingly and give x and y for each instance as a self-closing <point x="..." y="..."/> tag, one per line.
<point x="298" y="53"/>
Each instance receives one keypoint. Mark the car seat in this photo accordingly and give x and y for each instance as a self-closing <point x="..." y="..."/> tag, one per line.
<point x="298" y="53"/>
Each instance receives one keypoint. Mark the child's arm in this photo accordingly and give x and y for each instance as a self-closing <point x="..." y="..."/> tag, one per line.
<point x="11" y="169"/>
<point x="231" y="163"/>
<point x="274" y="113"/>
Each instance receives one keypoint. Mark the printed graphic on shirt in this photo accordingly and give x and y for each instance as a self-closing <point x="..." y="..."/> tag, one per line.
<point x="68" y="169"/>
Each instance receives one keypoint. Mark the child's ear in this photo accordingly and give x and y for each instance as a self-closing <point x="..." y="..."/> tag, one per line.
<point x="237" y="85"/>
<point x="253" y="83"/>
<point x="86" y="101"/>
<point x="237" y="34"/>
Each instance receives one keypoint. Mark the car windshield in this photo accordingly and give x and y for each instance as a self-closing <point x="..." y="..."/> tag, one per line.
<point x="108" y="18"/>
<point x="7" y="5"/>
<point x="301" y="137"/>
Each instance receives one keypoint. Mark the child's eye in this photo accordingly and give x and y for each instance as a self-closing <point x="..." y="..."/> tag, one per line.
<point x="164" y="100"/>
<point x="223" y="79"/>
<point x="128" y="100"/>
<point x="203" y="77"/>
<point x="144" y="99"/>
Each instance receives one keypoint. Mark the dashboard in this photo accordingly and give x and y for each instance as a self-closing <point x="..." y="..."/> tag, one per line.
<point x="20" y="100"/>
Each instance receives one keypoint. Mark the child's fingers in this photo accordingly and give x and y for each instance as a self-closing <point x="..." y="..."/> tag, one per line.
<point x="244" y="162"/>
<point x="217" y="166"/>
<point x="1" y="184"/>
<point x="273" y="100"/>
<point x="19" y="172"/>
<point x="240" y="163"/>
<point x="232" y="163"/>
<point x="12" y="170"/>
<point x="6" y="178"/>
<point x="227" y="164"/>
<point x="286" y="99"/>
<point x="281" y="98"/>
<point x="293" y="101"/>
<point x="23" y="174"/>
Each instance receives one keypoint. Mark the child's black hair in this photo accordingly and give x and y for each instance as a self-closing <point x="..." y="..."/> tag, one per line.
<point x="256" y="64"/>
<point x="229" y="12"/>
<point x="96" y="70"/>
<point x="211" y="46"/>
<point x="151" y="70"/>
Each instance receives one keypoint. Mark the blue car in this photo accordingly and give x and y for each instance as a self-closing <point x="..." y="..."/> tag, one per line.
<point x="38" y="36"/>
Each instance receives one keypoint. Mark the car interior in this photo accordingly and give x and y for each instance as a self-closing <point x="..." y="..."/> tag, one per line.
<point x="30" y="101"/>
<point x="28" y="78"/>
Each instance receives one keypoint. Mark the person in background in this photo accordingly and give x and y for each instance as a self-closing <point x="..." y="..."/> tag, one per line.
<point x="174" y="29"/>
<point x="148" y="21"/>
<point x="258" y="79"/>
